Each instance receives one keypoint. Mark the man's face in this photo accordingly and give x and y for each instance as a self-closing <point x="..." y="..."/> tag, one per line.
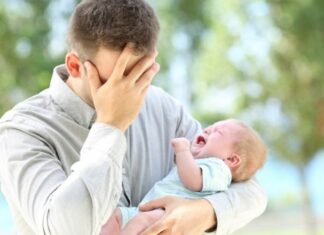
<point x="106" y="59"/>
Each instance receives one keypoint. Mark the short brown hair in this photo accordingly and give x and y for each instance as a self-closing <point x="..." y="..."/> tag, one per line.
<point x="252" y="150"/>
<point x="112" y="24"/>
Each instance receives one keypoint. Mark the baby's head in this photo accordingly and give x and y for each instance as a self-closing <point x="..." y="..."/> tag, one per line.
<point x="237" y="144"/>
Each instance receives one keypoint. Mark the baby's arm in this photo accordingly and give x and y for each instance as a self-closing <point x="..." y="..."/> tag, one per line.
<point x="188" y="170"/>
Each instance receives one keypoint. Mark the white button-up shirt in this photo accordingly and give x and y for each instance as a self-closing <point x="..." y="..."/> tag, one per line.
<point x="63" y="175"/>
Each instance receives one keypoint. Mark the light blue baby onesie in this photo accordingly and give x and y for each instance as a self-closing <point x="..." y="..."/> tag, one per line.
<point x="216" y="177"/>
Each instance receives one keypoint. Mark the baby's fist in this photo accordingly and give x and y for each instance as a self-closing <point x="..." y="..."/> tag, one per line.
<point x="180" y="144"/>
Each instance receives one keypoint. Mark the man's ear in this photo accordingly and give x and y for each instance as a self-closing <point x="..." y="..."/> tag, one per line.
<point x="73" y="64"/>
<point x="234" y="160"/>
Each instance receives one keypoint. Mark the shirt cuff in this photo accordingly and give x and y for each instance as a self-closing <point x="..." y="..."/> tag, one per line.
<point x="108" y="140"/>
<point x="223" y="211"/>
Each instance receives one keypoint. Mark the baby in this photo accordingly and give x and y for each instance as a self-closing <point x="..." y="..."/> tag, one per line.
<point x="226" y="151"/>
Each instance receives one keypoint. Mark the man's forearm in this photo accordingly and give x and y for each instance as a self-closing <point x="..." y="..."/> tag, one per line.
<point x="238" y="206"/>
<point x="208" y="217"/>
<point x="52" y="202"/>
<point x="96" y="182"/>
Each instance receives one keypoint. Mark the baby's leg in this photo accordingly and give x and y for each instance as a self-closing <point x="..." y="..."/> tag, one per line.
<point x="142" y="221"/>
<point x="113" y="225"/>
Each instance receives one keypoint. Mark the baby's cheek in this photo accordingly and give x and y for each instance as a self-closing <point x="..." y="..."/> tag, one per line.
<point x="194" y="150"/>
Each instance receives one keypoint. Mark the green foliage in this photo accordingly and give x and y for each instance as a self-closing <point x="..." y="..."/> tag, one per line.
<point x="25" y="60"/>
<point x="225" y="62"/>
<point x="288" y="77"/>
<point x="222" y="58"/>
<point x="298" y="56"/>
<point x="178" y="17"/>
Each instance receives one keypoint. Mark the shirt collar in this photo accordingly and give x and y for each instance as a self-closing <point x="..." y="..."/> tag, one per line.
<point x="70" y="102"/>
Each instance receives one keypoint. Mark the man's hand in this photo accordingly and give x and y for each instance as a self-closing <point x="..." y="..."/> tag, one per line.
<point x="118" y="101"/>
<point x="182" y="216"/>
<point x="180" y="144"/>
<point x="113" y="224"/>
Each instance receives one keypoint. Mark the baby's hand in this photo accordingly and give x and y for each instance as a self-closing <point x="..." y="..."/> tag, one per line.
<point x="180" y="144"/>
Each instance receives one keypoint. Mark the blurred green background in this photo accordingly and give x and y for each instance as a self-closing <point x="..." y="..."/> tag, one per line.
<point x="257" y="60"/>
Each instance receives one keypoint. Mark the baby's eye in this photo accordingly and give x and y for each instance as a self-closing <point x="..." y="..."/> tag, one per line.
<point x="217" y="130"/>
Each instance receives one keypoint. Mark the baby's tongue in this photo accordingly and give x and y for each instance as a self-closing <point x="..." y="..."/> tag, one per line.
<point x="201" y="140"/>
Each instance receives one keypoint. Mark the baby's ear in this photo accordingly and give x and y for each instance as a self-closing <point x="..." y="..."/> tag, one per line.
<point x="234" y="160"/>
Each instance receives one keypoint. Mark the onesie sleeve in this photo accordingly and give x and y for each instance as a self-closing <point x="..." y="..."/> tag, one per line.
<point x="216" y="174"/>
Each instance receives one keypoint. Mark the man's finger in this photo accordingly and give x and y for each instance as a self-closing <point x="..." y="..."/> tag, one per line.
<point x="122" y="61"/>
<point x="146" y="79"/>
<point x="157" y="228"/>
<point x="142" y="66"/>
<point x="154" y="204"/>
<point x="93" y="77"/>
<point x="166" y="232"/>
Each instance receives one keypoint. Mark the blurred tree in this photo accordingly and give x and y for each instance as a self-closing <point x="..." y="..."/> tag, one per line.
<point x="298" y="56"/>
<point x="182" y="24"/>
<point x="25" y="60"/>
<point x="267" y="57"/>
<point x="230" y="70"/>
<point x="25" y="35"/>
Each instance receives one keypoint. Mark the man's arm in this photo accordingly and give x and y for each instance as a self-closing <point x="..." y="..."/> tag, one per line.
<point x="54" y="203"/>
<point x="239" y="205"/>
<point x="188" y="169"/>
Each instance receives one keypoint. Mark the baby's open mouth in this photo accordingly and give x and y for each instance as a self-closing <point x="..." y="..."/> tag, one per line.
<point x="201" y="140"/>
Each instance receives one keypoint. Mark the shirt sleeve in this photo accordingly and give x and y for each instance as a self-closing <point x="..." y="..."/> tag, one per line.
<point x="215" y="174"/>
<point x="237" y="206"/>
<point x="51" y="202"/>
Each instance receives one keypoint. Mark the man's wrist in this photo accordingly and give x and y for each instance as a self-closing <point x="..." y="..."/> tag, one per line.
<point x="119" y="126"/>
<point x="210" y="220"/>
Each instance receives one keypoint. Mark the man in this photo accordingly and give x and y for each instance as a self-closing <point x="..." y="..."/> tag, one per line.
<point x="100" y="136"/>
